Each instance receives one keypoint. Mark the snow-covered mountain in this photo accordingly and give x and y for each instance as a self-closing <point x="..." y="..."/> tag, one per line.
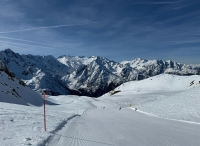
<point x="91" y="76"/>
<point x="13" y="90"/>
<point x="147" y="68"/>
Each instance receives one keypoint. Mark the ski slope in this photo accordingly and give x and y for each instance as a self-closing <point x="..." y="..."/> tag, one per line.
<point x="23" y="125"/>
<point x="160" y="83"/>
<point x="165" y="116"/>
<point x="167" y="96"/>
<point x="83" y="121"/>
<point x="111" y="126"/>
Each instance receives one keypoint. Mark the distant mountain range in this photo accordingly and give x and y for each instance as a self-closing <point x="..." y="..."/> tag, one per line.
<point x="91" y="76"/>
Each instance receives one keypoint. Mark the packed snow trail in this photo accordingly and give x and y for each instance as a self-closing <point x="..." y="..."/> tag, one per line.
<point x="111" y="126"/>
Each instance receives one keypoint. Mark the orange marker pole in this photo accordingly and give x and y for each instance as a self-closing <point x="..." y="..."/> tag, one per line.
<point x="44" y="111"/>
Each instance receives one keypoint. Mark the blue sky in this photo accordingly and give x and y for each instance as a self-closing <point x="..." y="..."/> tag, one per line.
<point x="116" y="29"/>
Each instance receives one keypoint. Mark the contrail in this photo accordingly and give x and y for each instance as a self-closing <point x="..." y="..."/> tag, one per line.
<point x="46" y="27"/>
<point x="22" y="40"/>
<point x="5" y="44"/>
<point x="51" y="46"/>
<point x="55" y="26"/>
<point x="30" y="41"/>
<point x="8" y="43"/>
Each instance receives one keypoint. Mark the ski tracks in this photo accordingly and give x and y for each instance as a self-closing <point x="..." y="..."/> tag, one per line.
<point x="72" y="134"/>
<point x="54" y="134"/>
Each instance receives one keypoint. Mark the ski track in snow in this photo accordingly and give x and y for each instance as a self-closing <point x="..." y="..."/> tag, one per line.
<point x="59" y="127"/>
<point x="72" y="136"/>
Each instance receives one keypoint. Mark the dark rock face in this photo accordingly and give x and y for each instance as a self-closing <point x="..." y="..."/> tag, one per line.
<point x="10" y="76"/>
<point x="5" y="69"/>
<point x="89" y="76"/>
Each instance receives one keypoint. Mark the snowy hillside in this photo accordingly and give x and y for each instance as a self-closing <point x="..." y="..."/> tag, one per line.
<point x="13" y="90"/>
<point x="92" y="76"/>
<point x="168" y="96"/>
<point x="162" y="82"/>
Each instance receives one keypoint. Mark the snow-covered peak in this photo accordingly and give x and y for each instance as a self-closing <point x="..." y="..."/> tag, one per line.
<point x="75" y="60"/>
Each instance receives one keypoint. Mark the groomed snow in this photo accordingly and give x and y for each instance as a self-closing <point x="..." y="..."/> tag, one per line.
<point x="23" y="125"/>
<point x="162" y="82"/>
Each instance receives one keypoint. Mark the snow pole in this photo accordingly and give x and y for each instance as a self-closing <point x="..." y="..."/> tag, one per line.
<point x="44" y="111"/>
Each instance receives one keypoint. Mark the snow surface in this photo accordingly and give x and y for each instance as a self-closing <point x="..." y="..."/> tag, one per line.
<point x="23" y="125"/>
<point x="84" y="121"/>
<point x="163" y="82"/>
<point x="168" y="96"/>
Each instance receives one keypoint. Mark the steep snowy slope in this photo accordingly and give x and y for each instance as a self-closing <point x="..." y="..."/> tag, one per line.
<point x="13" y="90"/>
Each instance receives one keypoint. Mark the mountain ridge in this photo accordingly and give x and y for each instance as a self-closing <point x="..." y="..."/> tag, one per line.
<point x="91" y="76"/>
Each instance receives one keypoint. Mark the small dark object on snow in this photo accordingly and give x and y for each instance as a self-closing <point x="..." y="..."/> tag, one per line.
<point x="135" y="109"/>
<point x="120" y="108"/>
<point x="103" y="107"/>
